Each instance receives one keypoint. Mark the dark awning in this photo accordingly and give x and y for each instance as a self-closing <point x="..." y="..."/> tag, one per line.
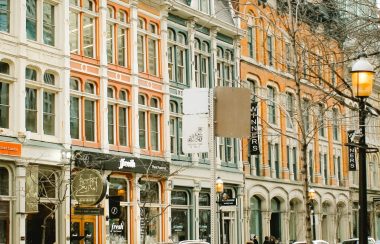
<point x="104" y="161"/>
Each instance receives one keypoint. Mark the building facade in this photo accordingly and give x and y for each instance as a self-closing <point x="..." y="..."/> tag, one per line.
<point x="98" y="85"/>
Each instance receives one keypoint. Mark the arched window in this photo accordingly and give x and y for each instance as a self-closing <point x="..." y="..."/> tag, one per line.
<point x="122" y="16"/>
<point x="110" y="92"/>
<point x="49" y="78"/>
<point x="30" y="74"/>
<point x="255" y="220"/>
<point x="123" y="95"/>
<point x="335" y="124"/>
<point x="4" y="68"/>
<point x="89" y="87"/>
<point x="272" y="96"/>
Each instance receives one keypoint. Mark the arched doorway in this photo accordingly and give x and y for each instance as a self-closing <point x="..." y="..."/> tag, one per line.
<point x="328" y="227"/>
<point x="295" y="220"/>
<point x="255" y="220"/>
<point x="275" y="219"/>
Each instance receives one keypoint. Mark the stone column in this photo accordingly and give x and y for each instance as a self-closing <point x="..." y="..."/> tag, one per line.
<point x="20" y="221"/>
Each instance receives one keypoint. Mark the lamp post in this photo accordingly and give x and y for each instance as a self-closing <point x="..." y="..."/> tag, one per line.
<point x="362" y="81"/>
<point x="219" y="190"/>
<point x="311" y="205"/>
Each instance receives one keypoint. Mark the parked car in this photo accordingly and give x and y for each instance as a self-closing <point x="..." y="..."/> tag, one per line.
<point x="193" y="242"/>
<point x="314" y="242"/>
<point x="356" y="241"/>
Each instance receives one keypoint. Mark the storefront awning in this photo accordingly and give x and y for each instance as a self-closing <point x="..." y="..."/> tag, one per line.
<point x="104" y="161"/>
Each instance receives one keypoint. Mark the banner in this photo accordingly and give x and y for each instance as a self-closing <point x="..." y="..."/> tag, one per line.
<point x="254" y="138"/>
<point x="195" y="133"/>
<point x="31" y="189"/>
<point x="351" y="152"/>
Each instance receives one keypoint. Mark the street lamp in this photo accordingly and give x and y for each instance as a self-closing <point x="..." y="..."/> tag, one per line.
<point x="219" y="190"/>
<point x="362" y="81"/>
<point x="311" y="205"/>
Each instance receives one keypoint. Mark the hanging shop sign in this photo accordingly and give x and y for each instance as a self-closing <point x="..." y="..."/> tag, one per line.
<point x="351" y="152"/>
<point x="31" y="189"/>
<point x="88" y="187"/>
<point x="228" y="202"/>
<point x="254" y="138"/>
<point x="105" y="161"/>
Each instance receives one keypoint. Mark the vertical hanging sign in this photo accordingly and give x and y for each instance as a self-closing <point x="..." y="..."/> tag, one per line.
<point x="351" y="152"/>
<point x="254" y="138"/>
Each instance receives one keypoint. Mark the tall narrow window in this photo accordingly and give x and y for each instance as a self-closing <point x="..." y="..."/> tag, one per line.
<point x="171" y="54"/>
<point x="111" y="124"/>
<point x="295" y="160"/>
<point x="289" y="110"/>
<point x="88" y="36"/>
<point x="4" y="15"/>
<point x="270" y="50"/>
<point x="277" y="159"/>
<point x="154" y="136"/>
<point x="4" y="105"/>
<point x="204" y="216"/>
<point x="74" y="32"/>
<point x="181" y="59"/>
<point x="311" y="166"/>
<point x="74" y="117"/>
<point x="325" y="169"/>
<point x="110" y="43"/>
<point x="271" y="105"/>
<point x="49" y="113"/>
<point x="306" y="115"/>
<point x="339" y="174"/>
<point x="321" y="120"/>
<point x="123" y="126"/>
<point x="204" y="6"/>
<point x="288" y="57"/>
<point x="31" y="19"/>
<point x="335" y="124"/>
<point x="31" y="109"/>
<point x="141" y="52"/>
<point x="89" y="119"/>
<point x="122" y="40"/>
<point x="251" y="42"/>
<point x="304" y="64"/>
<point x="152" y="59"/>
<point x="142" y="123"/>
<point x="48" y="27"/>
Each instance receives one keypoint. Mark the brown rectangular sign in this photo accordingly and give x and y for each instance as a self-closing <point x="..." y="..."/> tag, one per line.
<point x="232" y="112"/>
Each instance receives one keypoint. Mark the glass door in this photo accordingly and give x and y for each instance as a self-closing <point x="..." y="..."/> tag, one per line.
<point x="83" y="230"/>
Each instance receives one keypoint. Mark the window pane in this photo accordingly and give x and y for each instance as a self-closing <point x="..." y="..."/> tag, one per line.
<point x="89" y="88"/>
<point x="123" y="95"/>
<point x="110" y="43"/>
<point x="74" y="32"/>
<point x="110" y="92"/>
<point x="31" y="109"/>
<point x="142" y="129"/>
<point x="179" y="198"/>
<point x="123" y="126"/>
<point x="204" y="224"/>
<point x="154" y="136"/>
<point x="152" y="56"/>
<point x="48" y="24"/>
<point x="4" y="105"/>
<point x="74" y="117"/>
<point x="49" y="113"/>
<point x="149" y="192"/>
<point x="74" y="84"/>
<point x="121" y="47"/>
<point x="30" y="74"/>
<point x="89" y="120"/>
<point x="4" y="67"/>
<point x="4" y="181"/>
<point x="141" y="53"/>
<point x="111" y="124"/>
<point x="4" y="15"/>
<point x="49" y="78"/>
<point x="179" y="224"/>
<point x="31" y="19"/>
<point x="88" y="36"/>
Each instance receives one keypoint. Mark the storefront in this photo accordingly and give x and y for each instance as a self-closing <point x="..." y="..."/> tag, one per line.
<point x="135" y="190"/>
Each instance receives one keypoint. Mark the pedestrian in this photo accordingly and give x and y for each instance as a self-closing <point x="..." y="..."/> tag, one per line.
<point x="272" y="240"/>
<point x="266" y="240"/>
<point x="255" y="240"/>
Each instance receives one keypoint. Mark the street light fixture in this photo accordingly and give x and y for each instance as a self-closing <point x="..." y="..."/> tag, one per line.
<point x="311" y="205"/>
<point x="219" y="190"/>
<point x="362" y="81"/>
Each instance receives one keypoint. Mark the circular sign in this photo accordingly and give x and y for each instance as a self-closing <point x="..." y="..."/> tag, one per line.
<point x="88" y="187"/>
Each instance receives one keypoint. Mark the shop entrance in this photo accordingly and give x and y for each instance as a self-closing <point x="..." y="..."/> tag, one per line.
<point x="83" y="230"/>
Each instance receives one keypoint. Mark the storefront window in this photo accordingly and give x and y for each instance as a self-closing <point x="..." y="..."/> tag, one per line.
<point x="150" y="212"/>
<point x="204" y="216"/>
<point x="180" y="219"/>
<point x="118" y="192"/>
<point x="34" y="222"/>
<point x="4" y="207"/>
<point x="255" y="222"/>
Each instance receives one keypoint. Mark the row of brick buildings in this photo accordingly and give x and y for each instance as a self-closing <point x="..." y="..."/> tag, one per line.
<point x="105" y="79"/>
